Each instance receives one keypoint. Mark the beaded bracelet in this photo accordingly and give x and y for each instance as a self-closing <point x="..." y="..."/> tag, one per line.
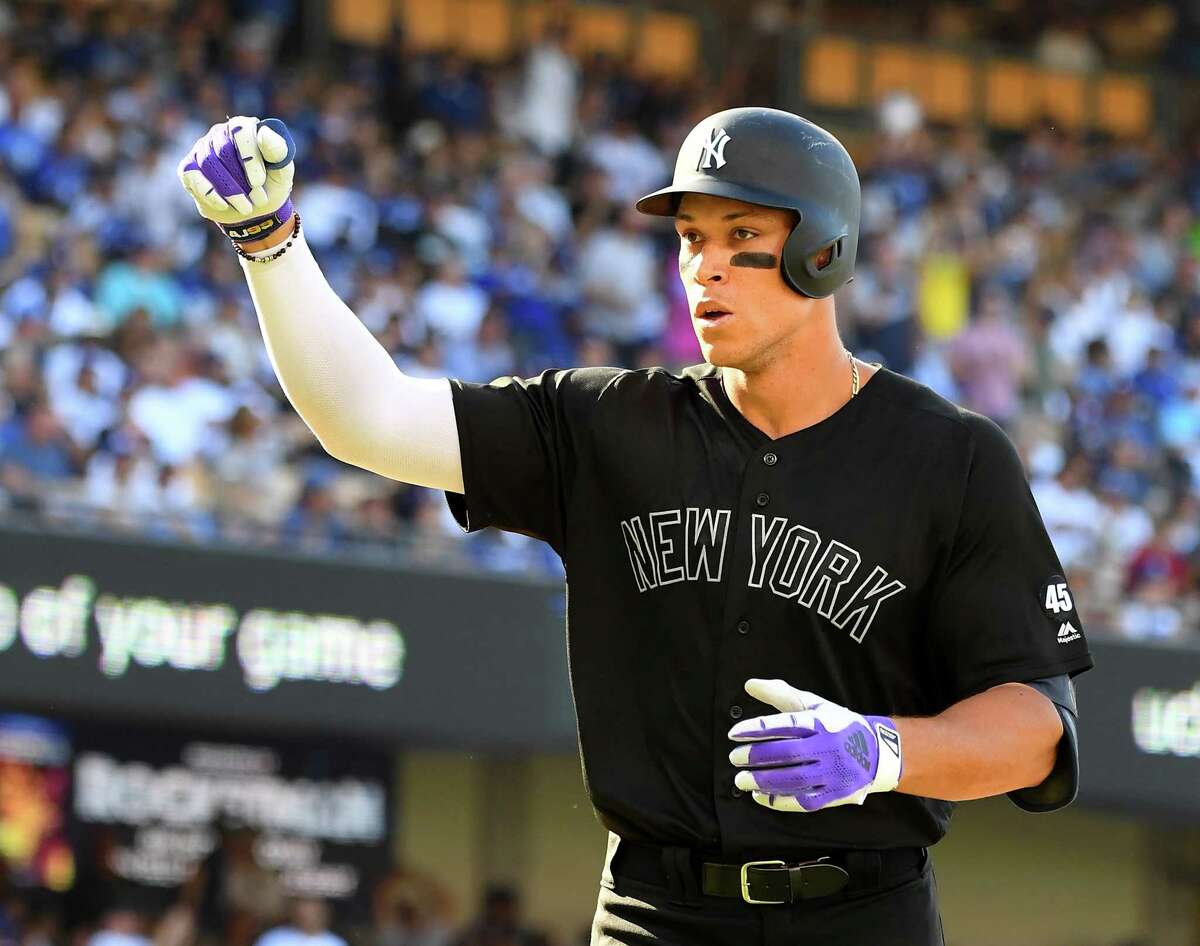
<point x="278" y="253"/>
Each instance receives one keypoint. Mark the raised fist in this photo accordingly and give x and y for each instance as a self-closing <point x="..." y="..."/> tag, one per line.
<point x="240" y="176"/>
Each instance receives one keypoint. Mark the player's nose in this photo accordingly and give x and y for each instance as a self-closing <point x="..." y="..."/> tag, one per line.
<point x="711" y="266"/>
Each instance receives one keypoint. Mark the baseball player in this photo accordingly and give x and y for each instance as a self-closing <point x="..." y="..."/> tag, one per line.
<point x="811" y="603"/>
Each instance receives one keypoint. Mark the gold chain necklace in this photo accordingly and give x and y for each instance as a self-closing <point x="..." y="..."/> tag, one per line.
<point x="853" y="375"/>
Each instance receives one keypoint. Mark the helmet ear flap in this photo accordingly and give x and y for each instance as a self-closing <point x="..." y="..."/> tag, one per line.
<point x="805" y="271"/>
<point x="816" y="265"/>
<point x="791" y="260"/>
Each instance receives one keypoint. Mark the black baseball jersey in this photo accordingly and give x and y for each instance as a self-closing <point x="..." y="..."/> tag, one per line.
<point x="890" y="558"/>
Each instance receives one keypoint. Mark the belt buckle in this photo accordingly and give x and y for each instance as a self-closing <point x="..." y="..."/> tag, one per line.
<point x="746" y="883"/>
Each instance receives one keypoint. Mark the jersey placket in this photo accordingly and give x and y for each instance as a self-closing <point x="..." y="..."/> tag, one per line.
<point x="743" y="622"/>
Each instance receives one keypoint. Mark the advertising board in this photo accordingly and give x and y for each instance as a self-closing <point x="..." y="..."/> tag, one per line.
<point x="264" y="643"/>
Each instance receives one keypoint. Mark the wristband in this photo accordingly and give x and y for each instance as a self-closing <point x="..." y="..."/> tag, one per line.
<point x="247" y="231"/>
<point x="278" y="253"/>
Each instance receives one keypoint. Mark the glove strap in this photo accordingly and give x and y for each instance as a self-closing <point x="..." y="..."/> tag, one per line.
<point x="247" y="231"/>
<point x="887" y="776"/>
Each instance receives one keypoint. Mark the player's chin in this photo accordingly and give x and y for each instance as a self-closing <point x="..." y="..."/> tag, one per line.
<point x="720" y="352"/>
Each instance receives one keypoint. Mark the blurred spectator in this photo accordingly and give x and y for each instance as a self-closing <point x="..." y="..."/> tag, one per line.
<point x="122" y="483"/>
<point x="34" y="452"/>
<point x="1066" y="45"/>
<point x="545" y="112"/>
<point x="182" y="398"/>
<point x="315" y="524"/>
<point x="1157" y="569"/>
<point x="989" y="360"/>
<point x="499" y="922"/>
<point x="251" y="483"/>
<point x="229" y="337"/>
<point x="1096" y="379"/>
<point x="309" y="926"/>
<point x="620" y="280"/>
<point x="122" y="926"/>
<point x="411" y="909"/>
<point x="142" y="282"/>
<point x="631" y="164"/>
<point x="453" y="93"/>
<point x="488" y="355"/>
<point x="882" y="307"/>
<point x="1071" y="512"/>
<point x="450" y="305"/>
<point x="235" y="896"/>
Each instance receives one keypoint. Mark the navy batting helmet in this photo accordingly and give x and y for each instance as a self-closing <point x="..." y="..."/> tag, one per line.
<point x="776" y="159"/>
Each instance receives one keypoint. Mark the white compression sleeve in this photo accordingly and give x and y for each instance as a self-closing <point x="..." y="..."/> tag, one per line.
<point x="344" y="385"/>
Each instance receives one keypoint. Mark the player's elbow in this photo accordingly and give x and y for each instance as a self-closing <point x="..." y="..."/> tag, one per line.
<point x="335" y="436"/>
<point x="364" y="446"/>
<point x="342" y="447"/>
<point x="1041" y="764"/>
<point x="1040" y="752"/>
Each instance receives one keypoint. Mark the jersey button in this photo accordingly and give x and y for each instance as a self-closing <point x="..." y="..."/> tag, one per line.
<point x="735" y="712"/>
<point x="770" y="459"/>
<point x="762" y="499"/>
<point x="736" y="792"/>
<point x="743" y="627"/>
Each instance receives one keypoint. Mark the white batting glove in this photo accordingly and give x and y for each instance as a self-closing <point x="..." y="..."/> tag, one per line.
<point x="815" y="753"/>
<point x="240" y="176"/>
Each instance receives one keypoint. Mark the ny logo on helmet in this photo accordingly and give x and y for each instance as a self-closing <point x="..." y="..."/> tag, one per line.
<point x="713" y="150"/>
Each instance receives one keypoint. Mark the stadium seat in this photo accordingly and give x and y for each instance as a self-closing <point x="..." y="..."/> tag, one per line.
<point x="1124" y="105"/>
<point x="896" y="68"/>
<point x="600" y="29"/>
<point x="943" y="82"/>
<point x="1062" y="97"/>
<point x="668" y="45"/>
<point x="361" y="21"/>
<point x="948" y="91"/>
<point x="1009" y="97"/>
<point x="484" y="28"/>
<point x="832" y="72"/>
<point x="593" y="27"/>
<point x="429" y="24"/>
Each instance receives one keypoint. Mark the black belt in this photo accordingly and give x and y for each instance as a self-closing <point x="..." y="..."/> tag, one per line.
<point x="766" y="881"/>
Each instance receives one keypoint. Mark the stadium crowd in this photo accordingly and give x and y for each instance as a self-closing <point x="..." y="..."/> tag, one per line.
<point x="478" y="219"/>
<point x="232" y="900"/>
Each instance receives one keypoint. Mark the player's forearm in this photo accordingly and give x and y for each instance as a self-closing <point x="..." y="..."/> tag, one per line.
<point x="343" y="383"/>
<point x="995" y="742"/>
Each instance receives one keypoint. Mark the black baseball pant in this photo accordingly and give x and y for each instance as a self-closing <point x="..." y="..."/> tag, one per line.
<point x="632" y="912"/>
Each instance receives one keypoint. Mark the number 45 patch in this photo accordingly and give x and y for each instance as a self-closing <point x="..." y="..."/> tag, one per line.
<point x="1056" y="598"/>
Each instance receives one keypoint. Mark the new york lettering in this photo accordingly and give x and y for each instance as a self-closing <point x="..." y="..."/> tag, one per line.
<point x="788" y="559"/>
<point x="675" y="545"/>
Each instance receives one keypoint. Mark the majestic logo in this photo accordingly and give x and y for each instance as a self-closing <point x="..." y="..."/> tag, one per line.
<point x="856" y="745"/>
<point x="1068" y="632"/>
<point x="713" y="150"/>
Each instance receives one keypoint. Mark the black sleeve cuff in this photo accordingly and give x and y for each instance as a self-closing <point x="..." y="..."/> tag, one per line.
<point x="469" y="515"/>
<point x="1062" y="784"/>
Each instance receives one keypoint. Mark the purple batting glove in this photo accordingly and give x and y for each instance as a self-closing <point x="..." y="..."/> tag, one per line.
<point x="240" y="175"/>
<point x="814" y="755"/>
